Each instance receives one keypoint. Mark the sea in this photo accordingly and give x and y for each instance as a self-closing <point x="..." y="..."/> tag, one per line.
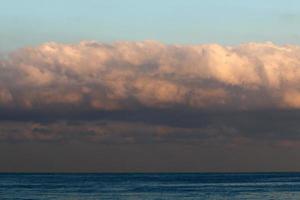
<point x="134" y="186"/>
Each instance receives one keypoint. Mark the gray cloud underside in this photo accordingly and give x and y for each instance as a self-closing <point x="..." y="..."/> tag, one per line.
<point x="148" y="91"/>
<point x="226" y="128"/>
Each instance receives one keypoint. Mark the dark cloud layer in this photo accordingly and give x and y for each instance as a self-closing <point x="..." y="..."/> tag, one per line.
<point x="226" y="128"/>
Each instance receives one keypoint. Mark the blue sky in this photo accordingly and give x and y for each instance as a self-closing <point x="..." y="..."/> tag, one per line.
<point x="33" y="22"/>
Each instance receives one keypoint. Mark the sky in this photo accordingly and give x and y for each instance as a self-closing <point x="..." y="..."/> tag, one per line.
<point x="34" y="22"/>
<point x="149" y="86"/>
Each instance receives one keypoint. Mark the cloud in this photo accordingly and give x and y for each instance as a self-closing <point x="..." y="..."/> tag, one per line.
<point x="200" y="128"/>
<point x="128" y="75"/>
<point x="100" y="131"/>
<point x="148" y="91"/>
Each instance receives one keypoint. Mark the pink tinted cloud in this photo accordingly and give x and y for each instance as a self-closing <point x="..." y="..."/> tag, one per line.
<point x="126" y="75"/>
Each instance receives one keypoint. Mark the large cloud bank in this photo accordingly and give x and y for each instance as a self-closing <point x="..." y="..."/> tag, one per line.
<point x="151" y="92"/>
<point x="131" y="75"/>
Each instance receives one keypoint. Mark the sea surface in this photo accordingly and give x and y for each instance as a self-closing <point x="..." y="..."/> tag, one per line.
<point x="134" y="186"/>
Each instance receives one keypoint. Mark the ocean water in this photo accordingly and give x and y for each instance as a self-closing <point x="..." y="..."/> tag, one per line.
<point x="133" y="186"/>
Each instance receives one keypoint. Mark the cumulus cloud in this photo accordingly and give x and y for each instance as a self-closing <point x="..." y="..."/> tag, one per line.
<point x="148" y="91"/>
<point x="130" y="75"/>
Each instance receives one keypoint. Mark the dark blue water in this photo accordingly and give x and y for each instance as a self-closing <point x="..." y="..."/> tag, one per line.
<point x="150" y="186"/>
